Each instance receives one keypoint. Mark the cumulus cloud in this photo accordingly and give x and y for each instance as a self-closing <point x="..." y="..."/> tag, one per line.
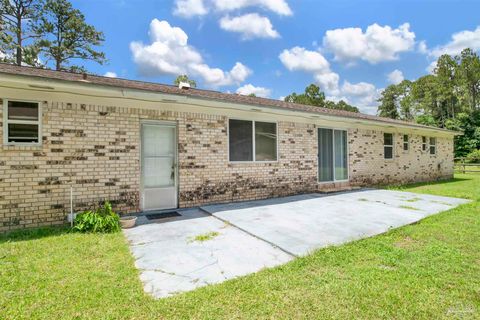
<point x="422" y="47"/>
<point x="301" y="59"/>
<point x="189" y="8"/>
<point x="169" y="53"/>
<point x="395" y="77"/>
<point x="250" y="26"/>
<point x="277" y="6"/>
<point x="110" y="74"/>
<point x="258" y="91"/>
<point x="460" y="40"/>
<point x="362" y="95"/>
<point x="376" y="44"/>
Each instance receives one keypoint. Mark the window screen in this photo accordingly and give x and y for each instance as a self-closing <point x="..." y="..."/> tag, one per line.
<point x="22" y="122"/>
<point x="388" y="145"/>
<point x="433" y="145"/>
<point x="405" y="142"/>
<point x="340" y="141"/>
<point x="240" y="140"/>
<point x="265" y="141"/>
<point x="325" y="154"/>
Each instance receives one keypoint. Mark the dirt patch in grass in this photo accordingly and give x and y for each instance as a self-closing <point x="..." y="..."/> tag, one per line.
<point x="407" y="243"/>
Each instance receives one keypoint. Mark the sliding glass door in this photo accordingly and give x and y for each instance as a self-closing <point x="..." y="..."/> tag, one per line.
<point x="332" y="155"/>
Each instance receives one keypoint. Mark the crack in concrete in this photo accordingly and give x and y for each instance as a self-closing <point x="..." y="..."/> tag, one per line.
<point x="291" y="254"/>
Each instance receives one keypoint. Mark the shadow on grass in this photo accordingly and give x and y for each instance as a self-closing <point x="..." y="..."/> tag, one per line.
<point x="33" y="234"/>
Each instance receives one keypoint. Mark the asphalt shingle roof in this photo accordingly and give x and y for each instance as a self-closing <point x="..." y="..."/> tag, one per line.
<point x="196" y="93"/>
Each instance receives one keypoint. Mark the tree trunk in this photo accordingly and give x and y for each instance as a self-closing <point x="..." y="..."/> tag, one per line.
<point x="19" y="41"/>
<point x="58" y="65"/>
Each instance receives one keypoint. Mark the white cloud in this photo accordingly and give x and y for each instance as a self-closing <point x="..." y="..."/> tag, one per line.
<point x="169" y="53"/>
<point x="395" y="77"/>
<point x="250" y="26"/>
<point x="258" y="91"/>
<point x="375" y="45"/>
<point x="189" y="8"/>
<point x="110" y="74"/>
<point x="277" y="6"/>
<point x="422" y="47"/>
<point x="460" y="40"/>
<point x="300" y="59"/>
<point x="362" y="95"/>
<point x="359" y="89"/>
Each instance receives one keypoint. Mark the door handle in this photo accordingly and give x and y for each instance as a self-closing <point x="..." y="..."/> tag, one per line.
<point x="172" y="175"/>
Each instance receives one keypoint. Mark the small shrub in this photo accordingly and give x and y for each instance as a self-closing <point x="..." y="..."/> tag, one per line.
<point x="474" y="156"/>
<point x="103" y="219"/>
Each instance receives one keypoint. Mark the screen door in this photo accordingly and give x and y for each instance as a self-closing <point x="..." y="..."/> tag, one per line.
<point x="159" y="166"/>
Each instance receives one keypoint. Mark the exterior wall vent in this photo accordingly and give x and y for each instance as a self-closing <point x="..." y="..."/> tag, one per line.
<point x="184" y="85"/>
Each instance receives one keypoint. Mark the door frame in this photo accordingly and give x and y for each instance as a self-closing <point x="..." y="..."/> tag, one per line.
<point x="333" y="155"/>
<point x="173" y="124"/>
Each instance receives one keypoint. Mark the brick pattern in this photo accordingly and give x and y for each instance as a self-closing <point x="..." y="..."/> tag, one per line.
<point x="96" y="151"/>
<point x="368" y="166"/>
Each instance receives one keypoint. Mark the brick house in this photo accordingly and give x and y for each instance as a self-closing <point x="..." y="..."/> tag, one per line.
<point x="147" y="146"/>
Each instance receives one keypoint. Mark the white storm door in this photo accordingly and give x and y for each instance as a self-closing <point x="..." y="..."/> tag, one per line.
<point x="159" y="166"/>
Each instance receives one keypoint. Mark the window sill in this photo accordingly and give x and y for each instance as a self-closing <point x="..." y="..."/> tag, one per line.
<point x="252" y="162"/>
<point x="21" y="147"/>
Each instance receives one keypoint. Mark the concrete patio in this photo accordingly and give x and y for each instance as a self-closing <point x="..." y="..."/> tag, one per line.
<point x="249" y="236"/>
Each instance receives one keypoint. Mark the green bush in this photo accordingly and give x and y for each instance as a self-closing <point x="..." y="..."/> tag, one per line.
<point x="102" y="220"/>
<point x="474" y="156"/>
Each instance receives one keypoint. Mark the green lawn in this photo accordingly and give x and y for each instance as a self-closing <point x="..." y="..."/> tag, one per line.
<point x="429" y="270"/>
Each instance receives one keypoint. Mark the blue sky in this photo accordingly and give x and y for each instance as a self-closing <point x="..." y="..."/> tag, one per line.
<point x="352" y="49"/>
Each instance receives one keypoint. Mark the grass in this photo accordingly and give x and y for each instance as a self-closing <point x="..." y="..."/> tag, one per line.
<point x="408" y="207"/>
<point x="206" y="236"/>
<point x="429" y="270"/>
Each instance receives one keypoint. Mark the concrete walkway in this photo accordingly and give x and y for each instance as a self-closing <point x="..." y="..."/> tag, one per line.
<point x="171" y="260"/>
<point x="301" y="224"/>
<point x="181" y="254"/>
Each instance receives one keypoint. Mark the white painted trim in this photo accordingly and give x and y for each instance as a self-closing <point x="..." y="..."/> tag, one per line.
<point x="333" y="156"/>
<point x="387" y="145"/>
<point x="6" y="121"/>
<point x="94" y="92"/>
<point x="254" y="160"/>
<point x="164" y="123"/>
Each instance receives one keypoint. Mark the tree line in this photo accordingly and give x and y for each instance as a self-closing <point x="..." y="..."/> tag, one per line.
<point x="47" y="33"/>
<point x="448" y="98"/>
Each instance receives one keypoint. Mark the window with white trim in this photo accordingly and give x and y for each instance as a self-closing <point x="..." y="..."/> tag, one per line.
<point x="433" y="145"/>
<point x="406" y="144"/>
<point x="252" y="140"/>
<point x="424" y="143"/>
<point x="22" y="122"/>
<point x="388" y="145"/>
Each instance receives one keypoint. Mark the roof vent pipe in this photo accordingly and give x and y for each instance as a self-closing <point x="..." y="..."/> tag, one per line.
<point x="184" y="85"/>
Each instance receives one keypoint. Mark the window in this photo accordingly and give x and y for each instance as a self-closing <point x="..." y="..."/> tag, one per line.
<point x="424" y="143"/>
<point x="388" y="146"/>
<point x="252" y="140"/>
<point x="405" y="142"/>
<point x="332" y="155"/>
<point x="22" y="122"/>
<point x="433" y="145"/>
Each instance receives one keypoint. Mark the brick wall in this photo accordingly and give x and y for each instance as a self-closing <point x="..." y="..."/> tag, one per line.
<point x="95" y="150"/>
